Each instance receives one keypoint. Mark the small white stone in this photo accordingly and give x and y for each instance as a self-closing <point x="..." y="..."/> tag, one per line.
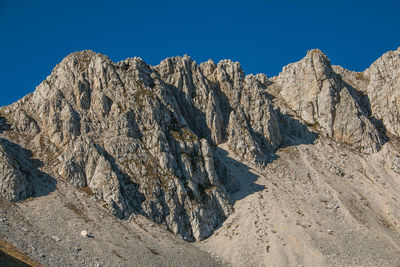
<point x="84" y="233"/>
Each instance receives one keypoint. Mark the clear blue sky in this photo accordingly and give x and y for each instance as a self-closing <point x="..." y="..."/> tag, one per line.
<point x="262" y="35"/>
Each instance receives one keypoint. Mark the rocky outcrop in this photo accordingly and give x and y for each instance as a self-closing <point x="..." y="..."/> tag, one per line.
<point x="252" y="129"/>
<point x="142" y="138"/>
<point x="197" y="102"/>
<point x="378" y="89"/>
<point x="383" y="78"/>
<point x="228" y="106"/>
<point x="130" y="137"/>
<point x="316" y="93"/>
<point x="13" y="183"/>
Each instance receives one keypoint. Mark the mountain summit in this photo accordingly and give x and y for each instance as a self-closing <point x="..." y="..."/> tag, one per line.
<point x="184" y="145"/>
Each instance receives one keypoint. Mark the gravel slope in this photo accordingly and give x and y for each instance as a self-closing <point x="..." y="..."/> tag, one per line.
<point x="48" y="230"/>
<point x="315" y="205"/>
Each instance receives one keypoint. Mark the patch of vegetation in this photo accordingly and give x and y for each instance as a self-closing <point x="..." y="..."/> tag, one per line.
<point x="142" y="93"/>
<point x="154" y="175"/>
<point x="45" y="149"/>
<point x="87" y="190"/>
<point x="183" y="134"/>
<point x="315" y="126"/>
<point x="78" y="212"/>
<point x="361" y="77"/>
<point x="105" y="205"/>
<point x="83" y="62"/>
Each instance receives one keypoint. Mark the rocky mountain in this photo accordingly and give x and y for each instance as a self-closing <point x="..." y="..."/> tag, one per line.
<point x="146" y="140"/>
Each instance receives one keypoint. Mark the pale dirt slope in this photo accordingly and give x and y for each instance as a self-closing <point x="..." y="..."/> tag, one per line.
<point x="315" y="205"/>
<point x="48" y="230"/>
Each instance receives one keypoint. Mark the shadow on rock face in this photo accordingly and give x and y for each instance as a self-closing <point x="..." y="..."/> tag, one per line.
<point x="129" y="189"/>
<point x="37" y="183"/>
<point x="294" y="132"/>
<point x="365" y="104"/>
<point x="237" y="178"/>
<point x="20" y="175"/>
<point x="4" y="125"/>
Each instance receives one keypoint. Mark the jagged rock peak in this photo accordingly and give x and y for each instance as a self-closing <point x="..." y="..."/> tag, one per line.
<point x="81" y="59"/>
<point x="377" y="87"/>
<point x="319" y="96"/>
<point x="143" y="138"/>
<point x="383" y="78"/>
<point x="84" y="54"/>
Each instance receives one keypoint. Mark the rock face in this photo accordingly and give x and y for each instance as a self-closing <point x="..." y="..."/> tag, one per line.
<point x="130" y="137"/>
<point x="13" y="183"/>
<point x="378" y="86"/>
<point x="316" y="93"/>
<point x="384" y="80"/>
<point x="142" y="137"/>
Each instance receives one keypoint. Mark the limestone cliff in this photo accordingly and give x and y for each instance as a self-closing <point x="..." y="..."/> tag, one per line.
<point x="142" y="138"/>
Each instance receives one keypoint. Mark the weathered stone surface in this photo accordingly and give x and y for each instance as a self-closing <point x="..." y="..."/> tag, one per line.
<point x="383" y="90"/>
<point x="133" y="139"/>
<point x="252" y="129"/>
<point x="143" y="138"/>
<point x="378" y="89"/>
<point x="396" y="164"/>
<point x="316" y="93"/>
<point x="13" y="183"/>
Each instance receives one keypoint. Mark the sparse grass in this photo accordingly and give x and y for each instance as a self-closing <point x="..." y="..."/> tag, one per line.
<point x="78" y="212"/>
<point x="87" y="190"/>
<point x="183" y="135"/>
<point x="104" y="205"/>
<point x="315" y="127"/>
<point x="83" y="63"/>
<point x="154" y="175"/>
<point x="142" y="94"/>
<point x="361" y="77"/>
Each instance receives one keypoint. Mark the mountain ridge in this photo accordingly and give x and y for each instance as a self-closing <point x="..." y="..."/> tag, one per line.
<point x="145" y="139"/>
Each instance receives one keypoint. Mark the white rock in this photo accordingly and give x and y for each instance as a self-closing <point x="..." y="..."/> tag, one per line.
<point x="84" y="233"/>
